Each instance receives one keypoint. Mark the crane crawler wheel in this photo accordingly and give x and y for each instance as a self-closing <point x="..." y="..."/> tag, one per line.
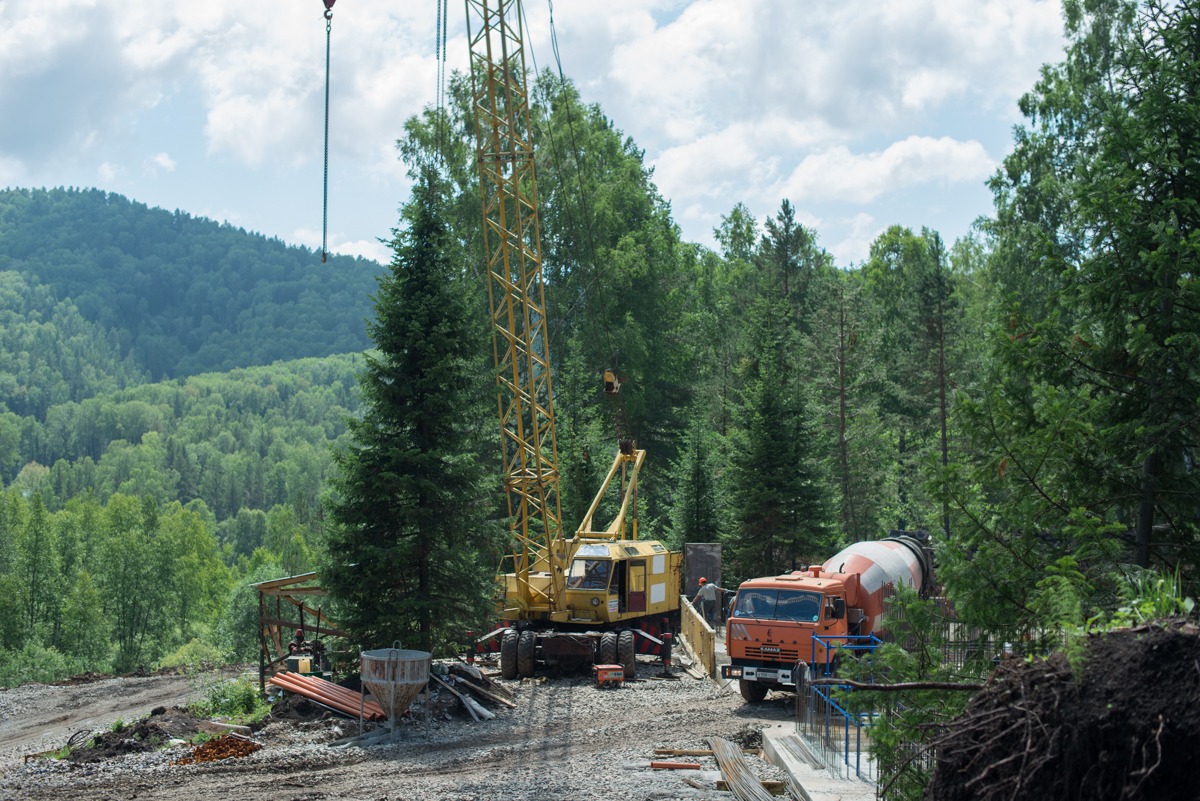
<point x="508" y="654"/>
<point x="627" y="653"/>
<point x="527" y="653"/>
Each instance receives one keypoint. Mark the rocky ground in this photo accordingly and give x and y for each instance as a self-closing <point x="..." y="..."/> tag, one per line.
<point x="565" y="739"/>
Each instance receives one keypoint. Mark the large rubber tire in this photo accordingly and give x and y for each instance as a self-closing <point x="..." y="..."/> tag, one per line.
<point x="627" y="653"/>
<point x="508" y="654"/>
<point x="752" y="691"/>
<point x="608" y="648"/>
<point x="527" y="653"/>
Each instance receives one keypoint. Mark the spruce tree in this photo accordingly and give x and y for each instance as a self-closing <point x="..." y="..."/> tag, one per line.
<point x="409" y="547"/>
<point x="780" y="501"/>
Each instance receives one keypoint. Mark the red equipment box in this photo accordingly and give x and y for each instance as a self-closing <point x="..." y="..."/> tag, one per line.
<point x="608" y="675"/>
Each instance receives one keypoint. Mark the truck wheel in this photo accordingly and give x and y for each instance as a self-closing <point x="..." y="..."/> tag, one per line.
<point x="627" y="653"/>
<point x="526" y="653"/>
<point x="508" y="654"/>
<point x="608" y="648"/>
<point x="752" y="691"/>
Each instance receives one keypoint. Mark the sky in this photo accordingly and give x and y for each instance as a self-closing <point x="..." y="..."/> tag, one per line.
<point x="862" y="114"/>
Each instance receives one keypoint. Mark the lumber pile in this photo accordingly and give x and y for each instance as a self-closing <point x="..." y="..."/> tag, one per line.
<point x="473" y="689"/>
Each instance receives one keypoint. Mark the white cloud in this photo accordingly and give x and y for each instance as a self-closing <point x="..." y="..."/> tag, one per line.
<point x="371" y="249"/>
<point x="108" y="172"/>
<point x="855" y="246"/>
<point x="162" y="161"/>
<point x="365" y="248"/>
<point x="838" y="174"/>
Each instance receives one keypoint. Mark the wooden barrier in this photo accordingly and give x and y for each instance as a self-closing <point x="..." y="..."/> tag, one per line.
<point x="699" y="637"/>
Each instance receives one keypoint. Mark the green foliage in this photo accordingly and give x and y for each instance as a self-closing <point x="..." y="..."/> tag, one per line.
<point x="901" y="725"/>
<point x="236" y="700"/>
<point x="1096" y="245"/>
<point x="237" y="631"/>
<point x="195" y="655"/>
<point x="783" y="517"/>
<point x="35" y="663"/>
<point x="1146" y="596"/>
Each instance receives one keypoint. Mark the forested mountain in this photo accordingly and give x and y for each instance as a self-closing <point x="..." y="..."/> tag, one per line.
<point x="179" y="295"/>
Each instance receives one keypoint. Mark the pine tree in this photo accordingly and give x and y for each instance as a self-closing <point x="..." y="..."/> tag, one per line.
<point x="408" y="551"/>
<point x="780" y="503"/>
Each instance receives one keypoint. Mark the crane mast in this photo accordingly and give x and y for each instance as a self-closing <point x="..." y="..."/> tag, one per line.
<point x="516" y="294"/>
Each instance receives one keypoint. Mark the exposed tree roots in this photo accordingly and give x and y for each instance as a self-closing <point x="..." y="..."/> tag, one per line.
<point x="1128" y="727"/>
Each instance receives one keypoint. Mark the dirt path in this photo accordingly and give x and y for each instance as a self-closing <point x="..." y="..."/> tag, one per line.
<point x="566" y="739"/>
<point x="39" y="717"/>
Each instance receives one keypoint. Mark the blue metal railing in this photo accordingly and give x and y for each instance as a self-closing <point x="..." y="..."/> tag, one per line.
<point x="836" y="734"/>
<point x="832" y="644"/>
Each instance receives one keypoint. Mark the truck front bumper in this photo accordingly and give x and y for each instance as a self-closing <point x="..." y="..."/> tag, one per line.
<point x="762" y="675"/>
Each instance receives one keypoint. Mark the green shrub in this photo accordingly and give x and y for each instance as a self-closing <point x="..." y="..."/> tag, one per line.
<point x="35" y="663"/>
<point x="237" y="700"/>
<point x="196" y="655"/>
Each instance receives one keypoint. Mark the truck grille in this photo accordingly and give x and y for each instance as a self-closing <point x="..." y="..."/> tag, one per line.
<point x="772" y="652"/>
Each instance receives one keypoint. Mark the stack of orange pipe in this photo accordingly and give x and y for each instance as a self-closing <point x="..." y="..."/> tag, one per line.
<point x="331" y="695"/>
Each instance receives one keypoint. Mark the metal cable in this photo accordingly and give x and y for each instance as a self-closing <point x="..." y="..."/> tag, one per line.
<point x="440" y="50"/>
<point x="325" y="196"/>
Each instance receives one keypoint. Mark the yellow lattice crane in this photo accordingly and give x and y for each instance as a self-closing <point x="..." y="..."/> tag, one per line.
<point x="573" y="600"/>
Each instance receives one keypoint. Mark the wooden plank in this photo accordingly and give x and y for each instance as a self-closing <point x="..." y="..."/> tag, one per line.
<point x="472" y="687"/>
<point x="699" y="751"/>
<point x="458" y="695"/>
<point x="662" y="764"/>
<point x="283" y="582"/>
<point x="772" y="787"/>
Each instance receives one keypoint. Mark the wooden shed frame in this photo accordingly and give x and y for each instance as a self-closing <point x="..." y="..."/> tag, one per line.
<point x="284" y="605"/>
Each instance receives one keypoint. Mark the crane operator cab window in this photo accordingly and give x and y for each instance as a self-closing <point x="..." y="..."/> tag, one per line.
<point x="589" y="574"/>
<point x="800" y="606"/>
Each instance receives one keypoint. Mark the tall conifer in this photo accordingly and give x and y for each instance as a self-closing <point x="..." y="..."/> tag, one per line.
<point x="408" y="549"/>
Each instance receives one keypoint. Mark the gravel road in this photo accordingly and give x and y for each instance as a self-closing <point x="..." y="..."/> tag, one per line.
<point x="565" y="740"/>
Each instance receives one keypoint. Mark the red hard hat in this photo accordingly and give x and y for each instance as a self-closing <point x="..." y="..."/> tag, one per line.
<point x="703" y="580"/>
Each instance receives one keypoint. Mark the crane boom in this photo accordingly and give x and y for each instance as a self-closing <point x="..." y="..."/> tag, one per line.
<point x="516" y="294"/>
<point x="568" y="601"/>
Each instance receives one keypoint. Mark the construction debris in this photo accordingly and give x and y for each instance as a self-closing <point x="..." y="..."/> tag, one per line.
<point x="473" y="707"/>
<point x="229" y="746"/>
<point x="736" y="773"/>
<point x="666" y="765"/>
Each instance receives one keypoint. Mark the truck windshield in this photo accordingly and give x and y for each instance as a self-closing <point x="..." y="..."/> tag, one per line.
<point x="799" y="605"/>
<point x="589" y="574"/>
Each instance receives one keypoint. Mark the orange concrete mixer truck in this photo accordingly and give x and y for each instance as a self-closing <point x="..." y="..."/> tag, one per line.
<point x="797" y="621"/>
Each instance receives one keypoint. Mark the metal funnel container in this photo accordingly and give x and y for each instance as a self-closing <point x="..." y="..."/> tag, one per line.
<point x="395" y="676"/>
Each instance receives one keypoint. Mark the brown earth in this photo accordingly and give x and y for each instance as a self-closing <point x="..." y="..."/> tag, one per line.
<point x="1127" y="727"/>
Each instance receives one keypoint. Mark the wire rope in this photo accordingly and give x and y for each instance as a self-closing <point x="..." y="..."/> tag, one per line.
<point x="325" y="193"/>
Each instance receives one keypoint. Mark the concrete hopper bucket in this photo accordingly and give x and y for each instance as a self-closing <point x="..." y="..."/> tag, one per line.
<point x="395" y="677"/>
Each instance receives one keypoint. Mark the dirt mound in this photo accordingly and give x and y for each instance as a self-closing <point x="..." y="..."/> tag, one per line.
<point x="147" y="734"/>
<point x="297" y="708"/>
<point x="1128" y="727"/>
